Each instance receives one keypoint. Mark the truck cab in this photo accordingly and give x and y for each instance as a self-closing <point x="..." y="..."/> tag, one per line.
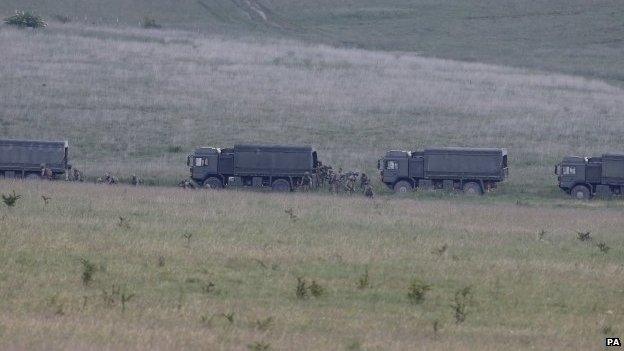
<point x="204" y="162"/>
<point x="571" y="173"/>
<point x="584" y="177"/>
<point x="394" y="167"/>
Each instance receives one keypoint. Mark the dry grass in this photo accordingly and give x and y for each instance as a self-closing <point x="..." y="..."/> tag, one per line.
<point x="123" y="97"/>
<point x="547" y="292"/>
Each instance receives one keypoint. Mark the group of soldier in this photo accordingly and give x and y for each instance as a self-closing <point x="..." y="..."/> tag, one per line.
<point x="325" y="176"/>
<point x="338" y="181"/>
<point x="71" y="175"/>
<point x="75" y="175"/>
<point x="112" y="180"/>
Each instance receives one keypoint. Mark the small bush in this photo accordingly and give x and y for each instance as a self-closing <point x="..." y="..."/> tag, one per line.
<point x="302" y="290"/>
<point x="584" y="236"/>
<point x="316" y="290"/>
<point x="264" y="324"/>
<point x="417" y="290"/>
<point x="259" y="346"/>
<point x="88" y="270"/>
<point x="462" y="298"/>
<point x="229" y="317"/>
<point x="25" y="19"/>
<point x="439" y="251"/>
<point x="604" y="248"/>
<point x="10" y="199"/>
<point x="364" y="281"/>
<point x="149" y="22"/>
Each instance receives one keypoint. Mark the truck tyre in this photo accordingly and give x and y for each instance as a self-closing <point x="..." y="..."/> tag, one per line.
<point x="580" y="192"/>
<point x="402" y="187"/>
<point x="33" y="176"/>
<point x="213" y="183"/>
<point x="472" y="188"/>
<point x="281" y="185"/>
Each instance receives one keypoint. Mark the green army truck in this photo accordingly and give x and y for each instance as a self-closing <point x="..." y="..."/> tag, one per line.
<point x="26" y="158"/>
<point x="585" y="177"/>
<point x="278" y="167"/>
<point x="471" y="170"/>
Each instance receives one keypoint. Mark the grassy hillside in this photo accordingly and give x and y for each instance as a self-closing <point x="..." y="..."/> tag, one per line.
<point x="527" y="291"/>
<point x="572" y="36"/>
<point x="131" y="100"/>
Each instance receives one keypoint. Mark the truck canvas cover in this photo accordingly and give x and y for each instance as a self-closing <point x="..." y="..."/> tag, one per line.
<point x="613" y="167"/>
<point x="32" y="153"/>
<point x="273" y="159"/>
<point x="465" y="162"/>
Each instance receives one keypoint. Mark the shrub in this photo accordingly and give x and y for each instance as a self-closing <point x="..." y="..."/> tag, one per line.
<point x="417" y="290"/>
<point x="462" y="298"/>
<point x="584" y="236"/>
<point x="316" y="289"/>
<point x="10" y="199"/>
<point x="149" y="22"/>
<point x="25" y="19"/>
<point x="364" y="281"/>
<point x="604" y="248"/>
<point x="302" y="290"/>
<point x="88" y="269"/>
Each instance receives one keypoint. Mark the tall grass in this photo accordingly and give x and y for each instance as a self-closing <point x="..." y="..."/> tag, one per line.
<point x="524" y="292"/>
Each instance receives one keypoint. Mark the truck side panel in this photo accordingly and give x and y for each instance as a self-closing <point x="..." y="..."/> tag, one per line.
<point x="613" y="169"/>
<point x="462" y="164"/>
<point x="23" y="154"/>
<point x="272" y="160"/>
<point x="417" y="167"/>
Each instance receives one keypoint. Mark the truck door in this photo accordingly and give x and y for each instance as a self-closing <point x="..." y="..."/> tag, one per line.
<point x="390" y="170"/>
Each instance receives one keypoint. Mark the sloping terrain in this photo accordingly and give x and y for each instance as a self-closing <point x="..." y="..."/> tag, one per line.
<point x="572" y="36"/>
<point x="131" y="100"/>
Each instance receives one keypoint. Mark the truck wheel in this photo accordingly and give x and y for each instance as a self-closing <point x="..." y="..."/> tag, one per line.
<point x="281" y="185"/>
<point x="580" y="192"/>
<point x="33" y="176"/>
<point x="213" y="183"/>
<point x="402" y="187"/>
<point x="472" y="188"/>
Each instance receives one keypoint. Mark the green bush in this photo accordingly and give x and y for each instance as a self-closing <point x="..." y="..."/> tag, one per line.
<point x="149" y="22"/>
<point x="24" y="19"/>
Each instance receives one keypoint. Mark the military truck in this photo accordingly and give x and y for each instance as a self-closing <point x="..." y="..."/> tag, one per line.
<point x="278" y="167"/>
<point x="585" y="177"/>
<point x="25" y="158"/>
<point x="471" y="170"/>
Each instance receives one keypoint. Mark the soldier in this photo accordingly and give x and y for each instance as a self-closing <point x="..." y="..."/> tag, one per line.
<point x="77" y="175"/>
<point x="335" y="183"/>
<point x="368" y="191"/>
<point x="306" y="181"/>
<point x="47" y="173"/>
<point x="186" y="184"/>
<point x="134" y="180"/>
<point x="364" y="181"/>
<point x="350" y="182"/>
<point x="320" y="175"/>
<point x="109" y="179"/>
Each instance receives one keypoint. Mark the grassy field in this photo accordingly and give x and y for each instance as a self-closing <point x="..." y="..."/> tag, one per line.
<point x="131" y="100"/>
<point x="571" y="36"/>
<point x="218" y="271"/>
<point x="117" y="267"/>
